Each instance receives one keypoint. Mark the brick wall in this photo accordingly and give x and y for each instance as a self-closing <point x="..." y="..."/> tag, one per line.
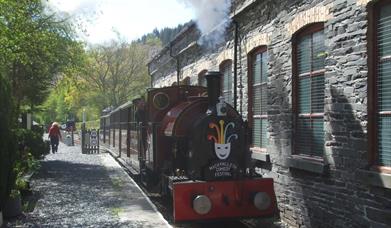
<point x="334" y="194"/>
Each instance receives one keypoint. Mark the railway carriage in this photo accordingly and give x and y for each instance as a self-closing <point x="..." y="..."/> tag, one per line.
<point x="196" y="148"/>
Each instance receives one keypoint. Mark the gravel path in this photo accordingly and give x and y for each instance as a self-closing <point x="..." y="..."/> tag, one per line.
<point x="78" y="190"/>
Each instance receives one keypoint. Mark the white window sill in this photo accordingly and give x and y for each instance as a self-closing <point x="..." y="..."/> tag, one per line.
<point x="374" y="178"/>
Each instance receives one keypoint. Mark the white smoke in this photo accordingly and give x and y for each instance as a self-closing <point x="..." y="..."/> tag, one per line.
<point x="212" y="18"/>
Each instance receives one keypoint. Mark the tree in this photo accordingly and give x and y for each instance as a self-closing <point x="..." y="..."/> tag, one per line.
<point x="110" y="76"/>
<point x="116" y="72"/>
<point x="7" y="143"/>
<point x="165" y="35"/>
<point x="34" y="48"/>
<point x="65" y="100"/>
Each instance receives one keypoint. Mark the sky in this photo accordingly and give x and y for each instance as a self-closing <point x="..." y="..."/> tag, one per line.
<point x="102" y="20"/>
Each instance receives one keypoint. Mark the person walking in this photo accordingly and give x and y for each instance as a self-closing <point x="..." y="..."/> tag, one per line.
<point x="54" y="136"/>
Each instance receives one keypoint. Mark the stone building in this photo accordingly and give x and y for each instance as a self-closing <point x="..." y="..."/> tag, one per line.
<point x="313" y="78"/>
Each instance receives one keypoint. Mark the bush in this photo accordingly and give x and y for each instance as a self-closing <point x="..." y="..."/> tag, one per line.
<point x="38" y="129"/>
<point x="26" y="164"/>
<point x="32" y="142"/>
<point x="25" y="154"/>
<point x="7" y="141"/>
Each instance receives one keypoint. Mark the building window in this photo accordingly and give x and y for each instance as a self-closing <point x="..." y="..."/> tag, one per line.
<point x="185" y="81"/>
<point x="308" y="93"/>
<point x="380" y="83"/>
<point x="226" y="70"/>
<point x="201" y="78"/>
<point x="257" y="84"/>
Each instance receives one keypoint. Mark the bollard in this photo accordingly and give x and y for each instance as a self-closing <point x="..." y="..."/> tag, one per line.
<point x="68" y="140"/>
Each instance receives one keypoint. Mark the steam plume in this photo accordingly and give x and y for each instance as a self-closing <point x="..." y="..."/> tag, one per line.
<point x="212" y="19"/>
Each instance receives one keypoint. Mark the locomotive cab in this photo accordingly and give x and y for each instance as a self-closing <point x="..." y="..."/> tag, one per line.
<point x="161" y="151"/>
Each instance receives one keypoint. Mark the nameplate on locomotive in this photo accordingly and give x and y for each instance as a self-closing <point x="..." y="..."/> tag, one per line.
<point x="222" y="169"/>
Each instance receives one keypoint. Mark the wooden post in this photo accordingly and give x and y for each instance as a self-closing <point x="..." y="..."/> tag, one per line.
<point x="98" y="139"/>
<point x="83" y="132"/>
<point x="72" y="135"/>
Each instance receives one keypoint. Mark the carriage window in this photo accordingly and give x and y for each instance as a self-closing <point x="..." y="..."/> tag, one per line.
<point x="382" y="85"/>
<point x="258" y="97"/>
<point x="226" y="70"/>
<point x="309" y="90"/>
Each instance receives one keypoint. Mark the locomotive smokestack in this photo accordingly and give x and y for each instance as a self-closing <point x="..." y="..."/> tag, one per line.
<point x="213" y="83"/>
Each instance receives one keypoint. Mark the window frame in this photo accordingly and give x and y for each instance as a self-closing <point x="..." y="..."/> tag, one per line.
<point x="306" y="30"/>
<point x="221" y="67"/>
<point x="185" y="81"/>
<point x="373" y="66"/>
<point x="250" y="87"/>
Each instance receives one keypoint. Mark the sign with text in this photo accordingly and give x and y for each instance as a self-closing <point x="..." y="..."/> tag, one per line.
<point x="221" y="169"/>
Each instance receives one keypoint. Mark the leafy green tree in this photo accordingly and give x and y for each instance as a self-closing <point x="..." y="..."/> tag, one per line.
<point x="164" y="35"/>
<point x="116" y="72"/>
<point x="63" y="101"/>
<point x="35" y="46"/>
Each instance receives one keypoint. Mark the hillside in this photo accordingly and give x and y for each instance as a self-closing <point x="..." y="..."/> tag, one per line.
<point x="165" y="35"/>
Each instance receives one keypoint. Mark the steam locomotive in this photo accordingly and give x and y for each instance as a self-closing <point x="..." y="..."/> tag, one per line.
<point x="196" y="148"/>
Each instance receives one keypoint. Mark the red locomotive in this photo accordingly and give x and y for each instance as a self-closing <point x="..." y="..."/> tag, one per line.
<point x="196" y="148"/>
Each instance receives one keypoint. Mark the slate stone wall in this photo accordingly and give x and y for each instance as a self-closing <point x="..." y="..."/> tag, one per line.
<point x="309" y="194"/>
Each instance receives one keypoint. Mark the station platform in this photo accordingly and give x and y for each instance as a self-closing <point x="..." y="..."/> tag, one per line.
<point x="86" y="190"/>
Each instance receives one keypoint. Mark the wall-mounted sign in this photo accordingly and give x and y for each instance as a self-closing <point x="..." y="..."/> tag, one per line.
<point x="94" y="134"/>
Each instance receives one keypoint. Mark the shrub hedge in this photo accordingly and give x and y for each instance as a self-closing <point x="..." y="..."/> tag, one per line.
<point x="19" y="148"/>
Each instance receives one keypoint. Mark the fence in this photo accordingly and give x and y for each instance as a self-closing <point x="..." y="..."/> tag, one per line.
<point x="89" y="141"/>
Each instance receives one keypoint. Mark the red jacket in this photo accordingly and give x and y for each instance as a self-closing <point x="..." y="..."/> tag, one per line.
<point x="54" y="131"/>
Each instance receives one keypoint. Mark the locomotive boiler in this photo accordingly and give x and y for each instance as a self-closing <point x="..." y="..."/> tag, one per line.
<point x="196" y="148"/>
